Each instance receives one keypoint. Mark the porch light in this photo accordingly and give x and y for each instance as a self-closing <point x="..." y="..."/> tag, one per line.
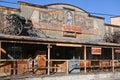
<point x="68" y="45"/>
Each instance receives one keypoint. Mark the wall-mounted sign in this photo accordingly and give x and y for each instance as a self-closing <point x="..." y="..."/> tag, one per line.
<point x="70" y="31"/>
<point x="117" y="50"/>
<point x="72" y="28"/>
<point x="96" y="51"/>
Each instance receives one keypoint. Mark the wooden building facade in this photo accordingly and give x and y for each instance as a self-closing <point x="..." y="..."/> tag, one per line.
<point x="56" y="38"/>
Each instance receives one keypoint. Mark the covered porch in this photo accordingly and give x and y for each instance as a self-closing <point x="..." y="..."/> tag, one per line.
<point x="56" y="57"/>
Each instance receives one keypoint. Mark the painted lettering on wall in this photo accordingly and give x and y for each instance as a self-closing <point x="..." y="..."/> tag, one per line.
<point x="51" y="16"/>
<point x="72" y="28"/>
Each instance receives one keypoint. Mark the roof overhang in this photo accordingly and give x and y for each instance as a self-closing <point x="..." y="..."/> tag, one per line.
<point x="54" y="41"/>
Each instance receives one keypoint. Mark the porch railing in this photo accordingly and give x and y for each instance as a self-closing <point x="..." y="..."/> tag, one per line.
<point x="20" y="66"/>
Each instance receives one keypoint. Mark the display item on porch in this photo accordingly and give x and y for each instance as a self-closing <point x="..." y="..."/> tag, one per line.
<point x="30" y="64"/>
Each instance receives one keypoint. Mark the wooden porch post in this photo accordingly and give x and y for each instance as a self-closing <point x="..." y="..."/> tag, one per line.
<point x="113" y="69"/>
<point x="85" y="59"/>
<point x="49" y="58"/>
<point x="0" y="50"/>
<point x="67" y="67"/>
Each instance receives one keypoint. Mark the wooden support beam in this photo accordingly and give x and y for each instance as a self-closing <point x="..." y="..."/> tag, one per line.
<point x="67" y="68"/>
<point x="85" y="59"/>
<point x="68" y="45"/>
<point x="113" y="65"/>
<point x="49" y="46"/>
<point x="0" y="50"/>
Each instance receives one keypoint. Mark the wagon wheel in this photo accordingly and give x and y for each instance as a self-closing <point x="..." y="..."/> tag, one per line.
<point x="14" y="27"/>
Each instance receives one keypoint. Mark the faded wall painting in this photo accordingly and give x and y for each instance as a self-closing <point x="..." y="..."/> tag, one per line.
<point x="52" y="17"/>
<point x="69" y="18"/>
<point x="69" y="24"/>
<point x="32" y="21"/>
<point x="85" y="22"/>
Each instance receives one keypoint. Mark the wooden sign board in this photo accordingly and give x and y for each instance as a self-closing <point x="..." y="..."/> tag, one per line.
<point x="72" y="28"/>
<point x="96" y="51"/>
<point x="117" y="50"/>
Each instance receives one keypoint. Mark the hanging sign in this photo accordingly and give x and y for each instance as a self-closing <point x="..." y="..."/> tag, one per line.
<point x="96" y="51"/>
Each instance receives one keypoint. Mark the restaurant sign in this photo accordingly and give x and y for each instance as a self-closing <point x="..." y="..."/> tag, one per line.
<point x="96" y="51"/>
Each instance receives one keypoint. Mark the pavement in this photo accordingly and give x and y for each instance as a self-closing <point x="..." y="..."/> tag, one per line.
<point x="80" y="76"/>
<point x="110" y="79"/>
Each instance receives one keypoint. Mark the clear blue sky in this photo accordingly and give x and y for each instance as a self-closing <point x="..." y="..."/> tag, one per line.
<point x="93" y="6"/>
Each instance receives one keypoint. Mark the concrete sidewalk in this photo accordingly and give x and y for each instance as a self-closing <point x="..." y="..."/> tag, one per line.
<point x="80" y="76"/>
<point x="110" y="79"/>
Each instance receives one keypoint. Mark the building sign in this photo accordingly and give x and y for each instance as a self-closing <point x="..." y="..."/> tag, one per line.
<point x="51" y="16"/>
<point x="49" y="19"/>
<point x="72" y="28"/>
<point x="117" y="50"/>
<point x="96" y="51"/>
<point x="70" y="31"/>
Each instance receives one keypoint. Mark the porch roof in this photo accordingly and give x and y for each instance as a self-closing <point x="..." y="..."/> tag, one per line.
<point x="53" y="41"/>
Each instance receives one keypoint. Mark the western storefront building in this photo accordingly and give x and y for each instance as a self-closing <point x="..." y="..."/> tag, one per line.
<point x="56" y="38"/>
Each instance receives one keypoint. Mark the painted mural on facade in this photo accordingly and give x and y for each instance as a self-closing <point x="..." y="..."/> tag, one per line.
<point x="69" y="18"/>
<point x="59" y="19"/>
<point x="32" y="23"/>
<point x="66" y="20"/>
